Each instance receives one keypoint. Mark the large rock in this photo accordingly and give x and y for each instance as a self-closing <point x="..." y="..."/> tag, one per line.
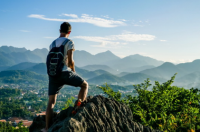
<point x="99" y="114"/>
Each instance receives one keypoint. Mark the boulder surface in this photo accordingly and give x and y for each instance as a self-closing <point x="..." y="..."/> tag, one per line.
<point x="99" y="114"/>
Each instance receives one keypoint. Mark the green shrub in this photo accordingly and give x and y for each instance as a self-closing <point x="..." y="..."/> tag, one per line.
<point x="68" y="103"/>
<point x="165" y="107"/>
<point x="7" y="127"/>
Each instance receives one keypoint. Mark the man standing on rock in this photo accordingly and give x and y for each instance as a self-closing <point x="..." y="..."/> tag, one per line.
<point x="68" y="75"/>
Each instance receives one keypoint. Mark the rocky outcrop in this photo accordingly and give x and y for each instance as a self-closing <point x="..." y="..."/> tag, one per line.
<point x="99" y="114"/>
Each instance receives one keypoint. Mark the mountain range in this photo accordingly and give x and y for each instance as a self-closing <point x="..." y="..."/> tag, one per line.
<point x="10" y="56"/>
<point x="107" y="61"/>
<point x="161" y="73"/>
<point x="110" y="62"/>
<point x="105" y="67"/>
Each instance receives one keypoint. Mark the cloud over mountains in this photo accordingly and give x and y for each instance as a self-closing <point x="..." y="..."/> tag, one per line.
<point x="117" y="39"/>
<point x="85" y="18"/>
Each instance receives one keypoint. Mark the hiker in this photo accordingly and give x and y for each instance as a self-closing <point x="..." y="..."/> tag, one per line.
<point x="67" y="75"/>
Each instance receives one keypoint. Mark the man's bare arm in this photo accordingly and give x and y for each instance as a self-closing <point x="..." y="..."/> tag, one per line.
<point x="70" y="60"/>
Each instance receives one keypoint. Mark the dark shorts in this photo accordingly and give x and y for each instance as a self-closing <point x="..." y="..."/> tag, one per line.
<point x="66" y="78"/>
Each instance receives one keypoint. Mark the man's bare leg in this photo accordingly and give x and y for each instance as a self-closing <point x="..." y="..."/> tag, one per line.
<point x="49" y="111"/>
<point x="83" y="92"/>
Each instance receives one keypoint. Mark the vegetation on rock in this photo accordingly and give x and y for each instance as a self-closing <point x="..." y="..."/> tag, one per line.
<point x="166" y="107"/>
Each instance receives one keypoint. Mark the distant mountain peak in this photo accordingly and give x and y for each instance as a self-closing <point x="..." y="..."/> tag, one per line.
<point x="83" y="51"/>
<point x="108" y="51"/>
<point x="137" y="55"/>
<point x="197" y="60"/>
<point x="105" y="52"/>
<point x="5" y="46"/>
<point x="11" y="47"/>
<point x="167" y="64"/>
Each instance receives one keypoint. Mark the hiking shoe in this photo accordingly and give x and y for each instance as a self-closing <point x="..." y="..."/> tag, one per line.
<point x="76" y="106"/>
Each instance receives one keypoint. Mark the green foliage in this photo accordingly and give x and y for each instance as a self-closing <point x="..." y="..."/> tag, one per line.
<point x="20" y="76"/>
<point x="68" y="103"/>
<point x="30" y="96"/>
<point x="166" y="107"/>
<point x="111" y="94"/>
<point x="11" y="106"/>
<point x="7" y="127"/>
<point x="8" y="92"/>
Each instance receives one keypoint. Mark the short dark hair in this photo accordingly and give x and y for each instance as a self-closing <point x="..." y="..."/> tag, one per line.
<point x="65" y="27"/>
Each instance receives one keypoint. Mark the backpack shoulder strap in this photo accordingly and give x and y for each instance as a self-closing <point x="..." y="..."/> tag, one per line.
<point x="53" y="44"/>
<point x="66" y="41"/>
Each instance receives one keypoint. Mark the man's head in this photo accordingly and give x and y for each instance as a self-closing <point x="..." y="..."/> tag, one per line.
<point x="65" y="28"/>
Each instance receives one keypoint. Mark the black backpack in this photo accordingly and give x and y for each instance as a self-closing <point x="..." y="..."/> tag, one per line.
<point x="55" y="58"/>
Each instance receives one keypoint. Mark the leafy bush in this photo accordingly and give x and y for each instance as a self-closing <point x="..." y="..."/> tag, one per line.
<point x="7" y="127"/>
<point x="166" y="107"/>
<point x="68" y="103"/>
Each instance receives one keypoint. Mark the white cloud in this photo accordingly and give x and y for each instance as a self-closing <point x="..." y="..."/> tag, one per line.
<point x="85" y="18"/>
<point x="133" y="37"/>
<point x="163" y="40"/>
<point x="26" y="31"/>
<point x="103" y="40"/>
<point x="116" y="39"/>
<point x="126" y="32"/>
<point x="140" y="23"/>
<point x="122" y="20"/>
<point x="70" y="15"/>
<point x="93" y="39"/>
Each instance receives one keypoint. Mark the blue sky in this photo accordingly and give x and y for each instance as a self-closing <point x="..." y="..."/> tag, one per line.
<point x="164" y="30"/>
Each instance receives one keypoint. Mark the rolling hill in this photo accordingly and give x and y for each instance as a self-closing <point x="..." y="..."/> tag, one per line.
<point x="100" y="67"/>
<point x="132" y="62"/>
<point x="140" y="77"/>
<point x="88" y="74"/>
<point x="190" y="66"/>
<point x="40" y="68"/>
<point x="91" y="74"/>
<point x="22" y="66"/>
<point x="122" y="74"/>
<point x="166" y="71"/>
<point x="138" y="69"/>
<point x="20" y="76"/>
<point x="10" y="56"/>
<point x="106" y="78"/>
<point x="191" y="79"/>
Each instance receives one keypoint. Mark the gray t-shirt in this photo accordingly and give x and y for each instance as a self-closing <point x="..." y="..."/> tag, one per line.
<point x="69" y="45"/>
